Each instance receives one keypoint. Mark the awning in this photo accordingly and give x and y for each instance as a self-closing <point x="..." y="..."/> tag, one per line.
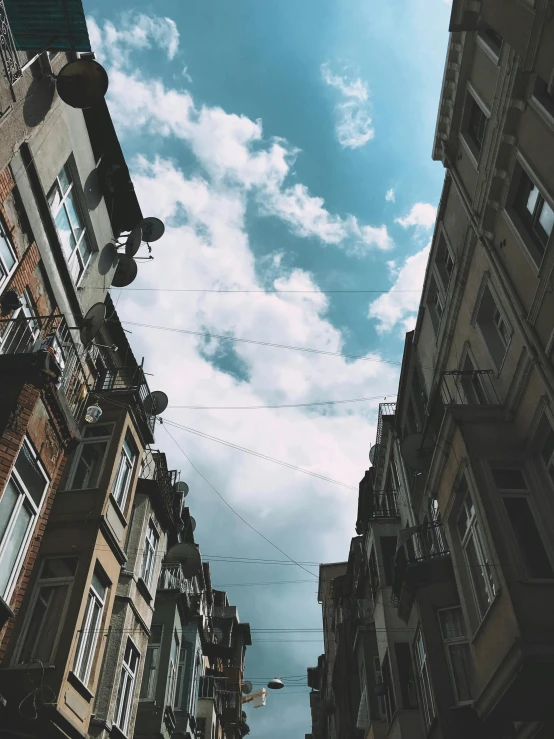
<point x="56" y="25"/>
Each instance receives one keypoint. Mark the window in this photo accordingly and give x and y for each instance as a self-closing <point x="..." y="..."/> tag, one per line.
<point x="173" y="669"/>
<point x="70" y="224"/>
<point x="547" y="446"/>
<point x="91" y="626"/>
<point x="373" y="575"/>
<point x="544" y="94"/>
<point x="149" y="553"/>
<point x="151" y="662"/>
<point x="493" y="327"/>
<point x="381" y="704"/>
<point x="124" y="471"/>
<point x="435" y="303"/>
<point x="89" y="460"/>
<point x="23" y="329"/>
<point x="406" y="675"/>
<point x="476" y="125"/>
<point x="511" y="484"/>
<point x="179" y="697"/>
<point x="444" y="262"/>
<point x="534" y="211"/>
<point x="475" y="553"/>
<point x="47" y="611"/>
<point x="491" y="41"/>
<point x="7" y="255"/>
<point x="458" y="654"/>
<point x="388" y="552"/>
<point x="427" y="698"/>
<point x="19" y="507"/>
<point x="390" y="701"/>
<point x="126" y="686"/>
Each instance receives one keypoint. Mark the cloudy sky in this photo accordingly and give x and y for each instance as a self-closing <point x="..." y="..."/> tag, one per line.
<point x="286" y="145"/>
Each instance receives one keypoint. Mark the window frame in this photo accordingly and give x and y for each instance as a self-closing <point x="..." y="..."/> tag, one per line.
<point x="378" y="673"/>
<point x="79" y="451"/>
<point x="151" y="542"/>
<point x="58" y="188"/>
<point x="428" y="703"/>
<point x="483" y="327"/>
<point x="25" y="498"/>
<point x="127" y="461"/>
<point x="41" y="583"/>
<point x="128" y="677"/>
<point x="447" y="641"/>
<point x="491" y="49"/>
<point x="473" y="101"/>
<point x="93" y="597"/>
<point x="153" y="647"/>
<point x="174" y="654"/>
<point x="5" y="271"/>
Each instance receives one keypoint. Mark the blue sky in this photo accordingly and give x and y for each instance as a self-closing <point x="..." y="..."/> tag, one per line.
<point x="286" y="145"/>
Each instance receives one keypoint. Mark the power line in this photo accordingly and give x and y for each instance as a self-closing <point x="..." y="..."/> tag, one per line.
<point x="261" y="343"/>
<point x="270" y="582"/>
<point x="269" y="291"/>
<point x="237" y="514"/>
<point x="257" y="454"/>
<point x="285" y="405"/>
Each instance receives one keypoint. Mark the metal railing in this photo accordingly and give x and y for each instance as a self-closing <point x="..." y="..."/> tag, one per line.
<point x="74" y="362"/>
<point x="385" y="409"/>
<point x="171" y="578"/>
<point x="126" y="379"/>
<point x="8" y="50"/>
<point x="468" y="387"/>
<point x="154" y="467"/>
<point x="385" y="504"/>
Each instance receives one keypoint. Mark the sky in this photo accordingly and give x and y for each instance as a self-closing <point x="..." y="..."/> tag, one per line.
<point x="286" y="145"/>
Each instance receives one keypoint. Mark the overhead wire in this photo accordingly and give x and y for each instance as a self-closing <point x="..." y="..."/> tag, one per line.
<point x="280" y="405"/>
<point x="269" y="291"/>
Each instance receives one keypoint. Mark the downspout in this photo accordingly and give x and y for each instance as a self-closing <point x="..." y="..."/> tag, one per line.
<point x="538" y="356"/>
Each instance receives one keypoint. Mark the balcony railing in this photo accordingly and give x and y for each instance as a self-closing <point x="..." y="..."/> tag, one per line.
<point x="171" y="578"/>
<point x="8" y="51"/>
<point x="154" y="467"/>
<point x="74" y="362"/>
<point x="127" y="379"/>
<point x="468" y="387"/>
<point x="385" y="504"/>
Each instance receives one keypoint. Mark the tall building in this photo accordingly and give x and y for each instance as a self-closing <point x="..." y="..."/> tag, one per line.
<point x="456" y="511"/>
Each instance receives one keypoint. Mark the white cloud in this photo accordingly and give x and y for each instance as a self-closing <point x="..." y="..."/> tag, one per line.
<point x="400" y="304"/>
<point x="114" y="46"/>
<point x="354" y="126"/>
<point x="186" y="75"/>
<point x="390" y="195"/>
<point x="422" y="215"/>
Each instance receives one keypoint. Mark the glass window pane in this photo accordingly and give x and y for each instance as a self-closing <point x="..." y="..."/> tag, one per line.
<point x="548" y="447"/>
<point x="89" y="465"/>
<point x="478" y="577"/>
<point x="532" y="197"/>
<point x="88" y="637"/>
<point x="546" y="218"/>
<point x="54" y="198"/>
<point x="8" y="502"/>
<point x="85" y="250"/>
<point x="74" y="213"/>
<point x="12" y="547"/>
<point x="452" y="623"/>
<point x="97" y="431"/>
<point x="65" y="233"/>
<point x="65" y="178"/>
<point x="509" y="479"/>
<point x="58" y="567"/>
<point x="462" y="670"/>
<point x="44" y="624"/>
<point x="528" y="538"/>
<point x="6" y="254"/>
<point x="99" y="585"/>
<point x="30" y="473"/>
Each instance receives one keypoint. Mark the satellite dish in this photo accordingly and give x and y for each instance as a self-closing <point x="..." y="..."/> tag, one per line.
<point x="82" y="83"/>
<point x="373" y="453"/>
<point x="182" y="487"/>
<point x="152" y="229"/>
<point x="188" y="556"/>
<point x="246" y="687"/>
<point x="275" y="684"/>
<point x="134" y="240"/>
<point x="126" y="271"/>
<point x="92" y="322"/>
<point x="192" y="523"/>
<point x="156" y="403"/>
<point x="413" y="452"/>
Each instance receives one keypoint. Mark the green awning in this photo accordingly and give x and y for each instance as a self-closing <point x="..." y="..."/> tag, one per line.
<point x="57" y="25"/>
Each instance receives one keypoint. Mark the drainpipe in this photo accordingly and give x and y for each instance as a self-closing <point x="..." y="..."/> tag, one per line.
<point x="538" y="356"/>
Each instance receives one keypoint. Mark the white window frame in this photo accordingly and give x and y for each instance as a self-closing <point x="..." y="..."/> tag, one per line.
<point x="24" y="499"/>
<point x="127" y="685"/>
<point x="90" y="440"/>
<point x="83" y="661"/>
<point x="472" y="98"/>
<point x="489" y="46"/>
<point x="127" y="461"/>
<point x="151" y="541"/>
<point x="173" y="669"/>
<point x="425" y="684"/>
<point x="474" y="532"/>
<point x="5" y="271"/>
<point x="152" y="660"/>
<point x="455" y="641"/>
<point x="498" y="313"/>
<point x="181" y="666"/>
<point x="45" y="582"/>
<point x="75" y="256"/>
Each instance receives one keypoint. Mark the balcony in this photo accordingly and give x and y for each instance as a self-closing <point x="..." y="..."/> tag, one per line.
<point x="8" y="50"/>
<point x="171" y="578"/>
<point x="422" y="557"/>
<point x="159" y="482"/>
<point x="383" y="505"/>
<point x="50" y="345"/>
<point x="125" y="380"/>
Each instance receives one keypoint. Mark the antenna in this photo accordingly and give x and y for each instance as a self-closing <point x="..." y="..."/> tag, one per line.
<point x="156" y="403"/>
<point x="414" y="453"/>
<point x="246" y="687"/>
<point x="134" y="240"/>
<point x="92" y="323"/>
<point x="188" y="556"/>
<point x="152" y="229"/>
<point x="373" y="453"/>
<point x="182" y="487"/>
<point x="82" y="83"/>
<point x="126" y="271"/>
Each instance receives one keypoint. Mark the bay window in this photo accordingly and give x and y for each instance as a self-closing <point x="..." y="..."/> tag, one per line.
<point x="125" y="470"/>
<point x="47" y="611"/>
<point x="151" y="663"/>
<point x="90" y="456"/>
<point x="458" y="653"/>
<point x="20" y="505"/>
<point x="126" y="687"/>
<point x="90" y="628"/>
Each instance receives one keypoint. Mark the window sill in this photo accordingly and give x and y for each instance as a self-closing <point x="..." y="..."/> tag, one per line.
<point x="479" y="629"/>
<point x="144" y="590"/>
<point x="118" y="510"/>
<point x="542" y="111"/>
<point x="489" y="51"/>
<point x="79" y="686"/>
<point x="117" y="733"/>
<point x="525" y="242"/>
<point x="471" y="150"/>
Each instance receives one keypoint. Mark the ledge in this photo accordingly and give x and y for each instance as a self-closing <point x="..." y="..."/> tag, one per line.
<point x="142" y="587"/>
<point x="79" y="686"/>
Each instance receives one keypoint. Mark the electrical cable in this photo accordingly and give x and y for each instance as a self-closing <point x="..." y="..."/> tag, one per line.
<point x="269" y="291"/>
<point x="285" y="405"/>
